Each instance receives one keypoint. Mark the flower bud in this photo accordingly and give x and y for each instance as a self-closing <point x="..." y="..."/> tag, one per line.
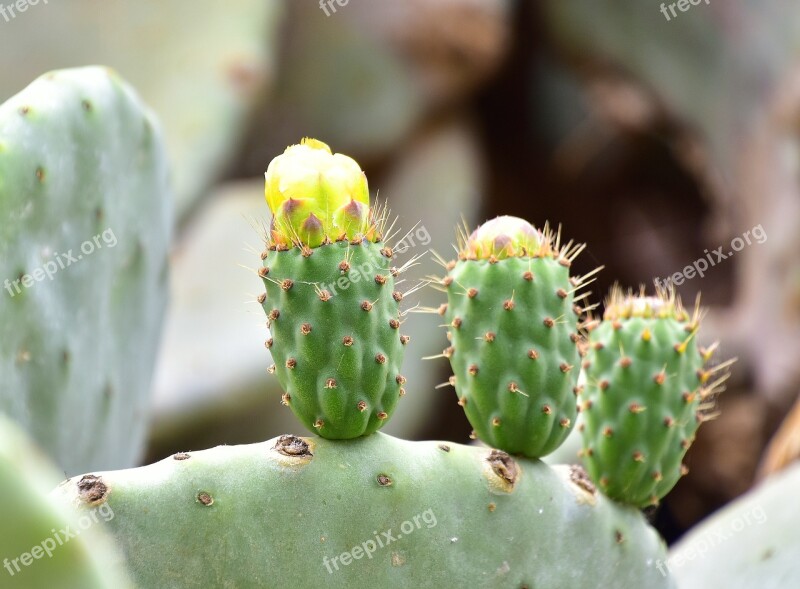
<point x="315" y="194"/>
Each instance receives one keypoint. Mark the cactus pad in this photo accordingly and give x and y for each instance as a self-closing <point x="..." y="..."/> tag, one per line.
<point x="375" y="511"/>
<point x="84" y="230"/>
<point x="513" y="327"/>
<point x="646" y="393"/>
<point x="335" y="326"/>
<point x="43" y="543"/>
<point x="751" y="542"/>
<point x="330" y="294"/>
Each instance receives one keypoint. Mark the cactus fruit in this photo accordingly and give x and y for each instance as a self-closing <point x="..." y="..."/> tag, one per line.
<point x="647" y="390"/>
<point x="43" y="543"/>
<point x="374" y="511"/>
<point x="330" y="294"/>
<point x="82" y="171"/>
<point x="513" y="326"/>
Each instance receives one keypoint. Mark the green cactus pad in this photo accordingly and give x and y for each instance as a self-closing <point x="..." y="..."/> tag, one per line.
<point x="84" y="231"/>
<point x="43" y="543"/>
<point x="334" y="320"/>
<point x="644" y="397"/>
<point x="751" y="542"/>
<point x="513" y="329"/>
<point x="372" y="512"/>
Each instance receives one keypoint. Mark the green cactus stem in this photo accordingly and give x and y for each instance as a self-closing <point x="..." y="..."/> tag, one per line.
<point x="85" y="225"/>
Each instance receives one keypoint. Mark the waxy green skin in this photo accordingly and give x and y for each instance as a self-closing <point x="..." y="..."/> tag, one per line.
<point x="542" y="324"/>
<point x="251" y="516"/>
<point x="751" y="542"/>
<point x="82" y="161"/>
<point x="652" y="424"/>
<point x="80" y="556"/>
<point x="309" y="342"/>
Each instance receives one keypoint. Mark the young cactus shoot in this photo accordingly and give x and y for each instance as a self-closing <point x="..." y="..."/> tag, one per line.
<point x="332" y="307"/>
<point x="513" y="324"/>
<point x="648" y="388"/>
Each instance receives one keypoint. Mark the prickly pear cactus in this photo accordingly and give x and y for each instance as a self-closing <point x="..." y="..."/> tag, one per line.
<point x="331" y="301"/>
<point x="647" y="391"/>
<point x="375" y="511"/>
<point x="513" y="326"/>
<point x="44" y="544"/>
<point x="84" y="231"/>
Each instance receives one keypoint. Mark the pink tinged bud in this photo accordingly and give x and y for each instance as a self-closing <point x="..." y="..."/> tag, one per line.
<point x="502" y="246"/>
<point x="351" y="219"/>
<point x="290" y="206"/>
<point x="503" y="237"/>
<point x="308" y="179"/>
<point x="312" y="232"/>
<point x="290" y="217"/>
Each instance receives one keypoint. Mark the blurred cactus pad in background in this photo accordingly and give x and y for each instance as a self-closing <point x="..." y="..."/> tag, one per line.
<point x="86" y="210"/>
<point x="370" y="293"/>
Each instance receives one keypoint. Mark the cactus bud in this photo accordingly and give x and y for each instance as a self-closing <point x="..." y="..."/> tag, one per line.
<point x="503" y="237"/>
<point x="308" y="180"/>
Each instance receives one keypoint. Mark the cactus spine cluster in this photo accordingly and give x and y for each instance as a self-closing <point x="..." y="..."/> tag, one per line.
<point x="513" y="323"/>
<point x="648" y="388"/>
<point x="332" y="306"/>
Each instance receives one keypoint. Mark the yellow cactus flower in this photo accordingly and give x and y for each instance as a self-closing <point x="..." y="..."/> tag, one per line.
<point x="316" y="195"/>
